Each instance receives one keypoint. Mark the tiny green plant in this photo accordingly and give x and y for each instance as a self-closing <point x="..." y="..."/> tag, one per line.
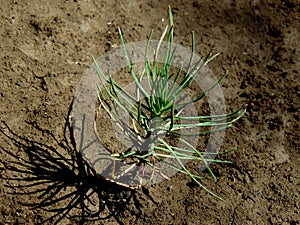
<point x="157" y="122"/>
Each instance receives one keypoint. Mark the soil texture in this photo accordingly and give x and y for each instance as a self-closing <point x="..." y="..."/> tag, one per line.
<point x="45" y="48"/>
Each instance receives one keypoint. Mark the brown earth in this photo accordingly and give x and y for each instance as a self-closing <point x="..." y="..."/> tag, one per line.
<point x="45" y="48"/>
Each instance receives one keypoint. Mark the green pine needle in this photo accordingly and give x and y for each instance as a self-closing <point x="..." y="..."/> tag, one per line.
<point x="157" y="113"/>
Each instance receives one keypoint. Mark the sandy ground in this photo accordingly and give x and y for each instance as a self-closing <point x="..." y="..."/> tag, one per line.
<point x="45" y="47"/>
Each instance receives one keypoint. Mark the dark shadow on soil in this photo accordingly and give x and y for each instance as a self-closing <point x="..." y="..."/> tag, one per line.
<point x="53" y="178"/>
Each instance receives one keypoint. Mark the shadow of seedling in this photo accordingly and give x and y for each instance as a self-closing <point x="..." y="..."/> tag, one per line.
<point x="61" y="181"/>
